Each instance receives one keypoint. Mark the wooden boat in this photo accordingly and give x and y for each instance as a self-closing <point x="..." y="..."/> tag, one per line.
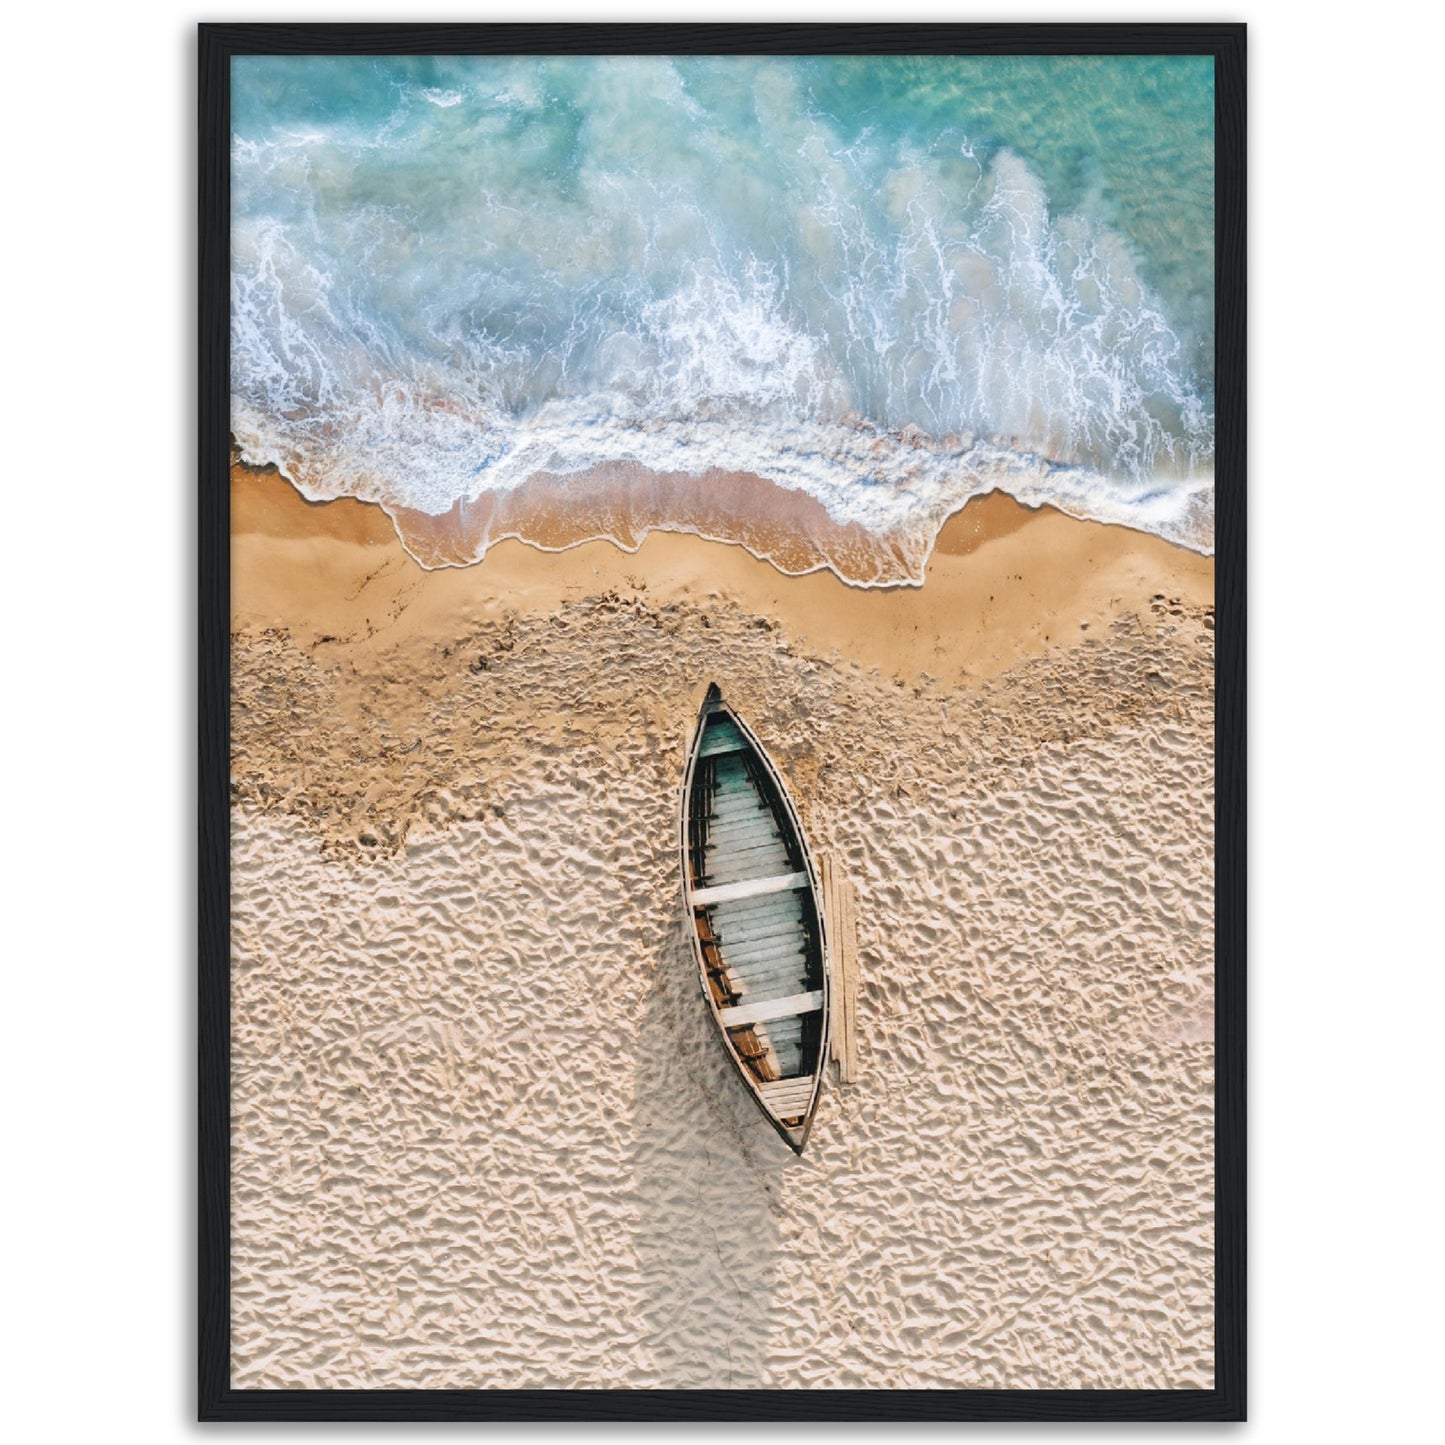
<point x="752" y="903"/>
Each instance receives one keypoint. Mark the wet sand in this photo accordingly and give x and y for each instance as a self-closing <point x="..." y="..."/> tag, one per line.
<point x="482" y="1135"/>
<point x="1004" y="583"/>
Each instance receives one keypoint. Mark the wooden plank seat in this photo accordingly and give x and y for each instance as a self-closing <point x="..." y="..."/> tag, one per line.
<point x="773" y="1008"/>
<point x="752" y="888"/>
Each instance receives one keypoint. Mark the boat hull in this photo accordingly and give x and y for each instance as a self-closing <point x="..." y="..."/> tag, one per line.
<point x="751" y="900"/>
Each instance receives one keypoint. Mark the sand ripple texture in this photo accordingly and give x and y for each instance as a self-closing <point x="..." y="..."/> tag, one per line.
<point x="482" y="1133"/>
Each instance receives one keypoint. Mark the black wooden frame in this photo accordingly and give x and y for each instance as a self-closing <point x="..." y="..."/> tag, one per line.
<point x="216" y="1399"/>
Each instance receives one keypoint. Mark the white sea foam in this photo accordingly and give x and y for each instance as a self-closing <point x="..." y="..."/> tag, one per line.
<point x="435" y="310"/>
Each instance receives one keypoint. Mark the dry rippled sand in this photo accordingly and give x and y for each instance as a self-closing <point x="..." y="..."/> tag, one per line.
<point x="482" y="1134"/>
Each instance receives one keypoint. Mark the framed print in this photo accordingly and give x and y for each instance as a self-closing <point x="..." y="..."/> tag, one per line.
<point x="722" y="693"/>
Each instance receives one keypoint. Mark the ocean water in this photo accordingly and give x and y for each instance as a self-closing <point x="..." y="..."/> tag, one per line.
<point x="886" y="283"/>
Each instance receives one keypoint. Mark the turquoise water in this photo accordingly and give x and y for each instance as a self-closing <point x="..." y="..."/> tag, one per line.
<point x="890" y="283"/>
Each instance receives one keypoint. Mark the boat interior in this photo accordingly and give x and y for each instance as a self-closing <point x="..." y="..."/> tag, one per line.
<point x="756" y="917"/>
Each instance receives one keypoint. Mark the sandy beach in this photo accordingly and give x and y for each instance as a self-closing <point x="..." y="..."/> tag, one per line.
<point x="482" y="1134"/>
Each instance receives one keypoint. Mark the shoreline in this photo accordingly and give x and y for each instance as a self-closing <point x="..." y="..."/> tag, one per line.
<point x="1004" y="581"/>
<point x="625" y="502"/>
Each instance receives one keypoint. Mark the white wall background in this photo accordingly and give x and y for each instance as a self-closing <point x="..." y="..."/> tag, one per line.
<point x="98" y="1161"/>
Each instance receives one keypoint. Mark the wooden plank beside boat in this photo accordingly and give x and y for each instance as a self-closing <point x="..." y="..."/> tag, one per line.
<point x="752" y="901"/>
<point x="841" y="912"/>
